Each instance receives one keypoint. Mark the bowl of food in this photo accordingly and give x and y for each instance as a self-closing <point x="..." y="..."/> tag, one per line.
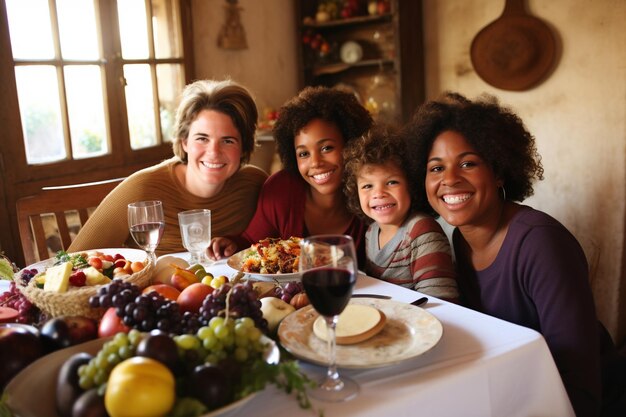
<point x="63" y="285"/>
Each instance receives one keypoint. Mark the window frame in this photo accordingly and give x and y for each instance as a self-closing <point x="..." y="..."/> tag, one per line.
<point x="121" y="153"/>
<point x="20" y="179"/>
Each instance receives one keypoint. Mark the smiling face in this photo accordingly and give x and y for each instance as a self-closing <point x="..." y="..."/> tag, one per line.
<point x="213" y="152"/>
<point x="384" y="194"/>
<point x="319" y="146"/>
<point x="460" y="186"/>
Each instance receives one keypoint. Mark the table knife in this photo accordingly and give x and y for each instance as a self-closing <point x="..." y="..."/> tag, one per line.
<point x="382" y="296"/>
<point x="420" y="301"/>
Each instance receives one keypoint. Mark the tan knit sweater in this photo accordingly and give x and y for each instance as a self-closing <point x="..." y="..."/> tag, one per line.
<point x="231" y="209"/>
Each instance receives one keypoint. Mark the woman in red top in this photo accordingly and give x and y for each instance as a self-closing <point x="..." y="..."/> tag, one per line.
<point x="306" y="198"/>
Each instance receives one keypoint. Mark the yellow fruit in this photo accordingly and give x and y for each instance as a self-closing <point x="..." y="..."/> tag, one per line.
<point x="207" y="279"/>
<point x="95" y="277"/>
<point x="140" y="387"/>
<point x="188" y="275"/>
<point x="218" y="281"/>
<point x="58" y="277"/>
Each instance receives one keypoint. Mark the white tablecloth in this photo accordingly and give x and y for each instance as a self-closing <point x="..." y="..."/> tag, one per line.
<point x="482" y="366"/>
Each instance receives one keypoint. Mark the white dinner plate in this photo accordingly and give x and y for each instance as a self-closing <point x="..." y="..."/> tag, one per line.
<point x="43" y="373"/>
<point x="236" y="262"/>
<point x="409" y="332"/>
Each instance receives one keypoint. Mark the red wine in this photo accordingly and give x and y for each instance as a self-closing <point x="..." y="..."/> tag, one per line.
<point x="328" y="289"/>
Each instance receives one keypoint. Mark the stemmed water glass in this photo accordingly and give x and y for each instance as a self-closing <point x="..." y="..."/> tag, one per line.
<point x="146" y="223"/>
<point x="195" y="230"/>
<point x="329" y="269"/>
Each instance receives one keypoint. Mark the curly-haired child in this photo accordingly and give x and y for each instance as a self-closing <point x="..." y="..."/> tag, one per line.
<point x="403" y="244"/>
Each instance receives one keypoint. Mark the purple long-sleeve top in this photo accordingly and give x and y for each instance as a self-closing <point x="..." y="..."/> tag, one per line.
<point x="539" y="280"/>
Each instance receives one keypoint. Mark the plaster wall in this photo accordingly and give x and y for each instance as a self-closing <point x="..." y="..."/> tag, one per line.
<point x="269" y="66"/>
<point x="578" y="114"/>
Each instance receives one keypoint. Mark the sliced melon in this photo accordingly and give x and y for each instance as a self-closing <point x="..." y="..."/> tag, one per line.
<point x="95" y="277"/>
<point x="58" y="277"/>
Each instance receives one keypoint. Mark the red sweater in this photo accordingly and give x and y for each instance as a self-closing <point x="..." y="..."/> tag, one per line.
<point x="280" y="214"/>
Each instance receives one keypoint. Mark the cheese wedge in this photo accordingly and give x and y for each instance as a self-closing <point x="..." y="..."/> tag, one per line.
<point x="95" y="277"/>
<point x="356" y="324"/>
<point x="58" y="277"/>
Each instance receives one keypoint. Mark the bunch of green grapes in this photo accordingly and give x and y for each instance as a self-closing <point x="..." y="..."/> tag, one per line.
<point x="222" y="338"/>
<point x="96" y="372"/>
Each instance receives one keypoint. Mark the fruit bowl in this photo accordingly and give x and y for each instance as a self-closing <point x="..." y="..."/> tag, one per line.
<point x="75" y="301"/>
<point x="44" y="371"/>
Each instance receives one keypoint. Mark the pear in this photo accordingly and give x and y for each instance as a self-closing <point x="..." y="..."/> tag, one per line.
<point x="274" y="310"/>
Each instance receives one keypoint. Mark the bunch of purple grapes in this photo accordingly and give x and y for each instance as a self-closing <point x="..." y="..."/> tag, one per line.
<point x="153" y="311"/>
<point x="243" y="301"/>
<point x="145" y="312"/>
<point x="116" y="294"/>
<point x="27" y="275"/>
<point x="28" y="312"/>
<point x="288" y="291"/>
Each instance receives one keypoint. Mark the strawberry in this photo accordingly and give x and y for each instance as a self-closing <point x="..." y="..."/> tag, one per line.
<point x="78" y="279"/>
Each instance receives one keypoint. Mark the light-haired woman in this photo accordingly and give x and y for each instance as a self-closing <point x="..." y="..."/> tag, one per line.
<point x="214" y="138"/>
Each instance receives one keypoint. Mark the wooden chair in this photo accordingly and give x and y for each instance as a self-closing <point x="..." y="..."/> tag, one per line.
<point x="57" y="203"/>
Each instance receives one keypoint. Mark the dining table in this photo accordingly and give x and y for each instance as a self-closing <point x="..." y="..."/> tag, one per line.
<point x="481" y="366"/>
<point x="478" y="366"/>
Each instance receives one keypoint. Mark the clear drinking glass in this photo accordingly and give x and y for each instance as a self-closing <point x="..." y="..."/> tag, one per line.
<point x="146" y="223"/>
<point x="329" y="269"/>
<point x="195" y="230"/>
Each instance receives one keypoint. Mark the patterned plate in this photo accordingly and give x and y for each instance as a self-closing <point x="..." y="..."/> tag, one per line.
<point x="409" y="332"/>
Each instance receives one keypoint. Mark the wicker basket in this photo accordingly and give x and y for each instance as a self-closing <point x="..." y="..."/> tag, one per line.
<point x="75" y="302"/>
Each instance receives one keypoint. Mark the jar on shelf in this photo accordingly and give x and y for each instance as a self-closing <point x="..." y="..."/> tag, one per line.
<point x="381" y="98"/>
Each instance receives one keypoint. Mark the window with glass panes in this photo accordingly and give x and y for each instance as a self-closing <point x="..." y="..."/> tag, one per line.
<point x="64" y="51"/>
<point x="88" y="92"/>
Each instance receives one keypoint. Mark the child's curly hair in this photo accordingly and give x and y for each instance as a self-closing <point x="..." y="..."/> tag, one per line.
<point x="498" y="135"/>
<point x="381" y="145"/>
<point x="331" y="105"/>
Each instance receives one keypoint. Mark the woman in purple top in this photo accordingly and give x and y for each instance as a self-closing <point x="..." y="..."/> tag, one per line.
<point x="475" y="160"/>
<point x="306" y="197"/>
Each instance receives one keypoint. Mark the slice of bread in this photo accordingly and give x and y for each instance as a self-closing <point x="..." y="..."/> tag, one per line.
<point x="356" y="324"/>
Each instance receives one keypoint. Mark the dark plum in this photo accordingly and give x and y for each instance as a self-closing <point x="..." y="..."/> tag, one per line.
<point x="67" y="389"/>
<point x="161" y="347"/>
<point x="210" y="385"/>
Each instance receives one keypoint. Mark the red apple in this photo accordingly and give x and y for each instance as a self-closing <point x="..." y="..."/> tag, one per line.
<point x="64" y="331"/>
<point x="191" y="298"/>
<point x="111" y="324"/>
<point x="18" y="348"/>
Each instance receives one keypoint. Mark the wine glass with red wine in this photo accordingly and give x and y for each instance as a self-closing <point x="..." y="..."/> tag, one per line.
<point x="146" y="224"/>
<point x="329" y="269"/>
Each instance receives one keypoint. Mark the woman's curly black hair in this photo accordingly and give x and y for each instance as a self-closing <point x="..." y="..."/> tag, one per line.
<point x="381" y="145"/>
<point x="331" y="105"/>
<point x="495" y="132"/>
